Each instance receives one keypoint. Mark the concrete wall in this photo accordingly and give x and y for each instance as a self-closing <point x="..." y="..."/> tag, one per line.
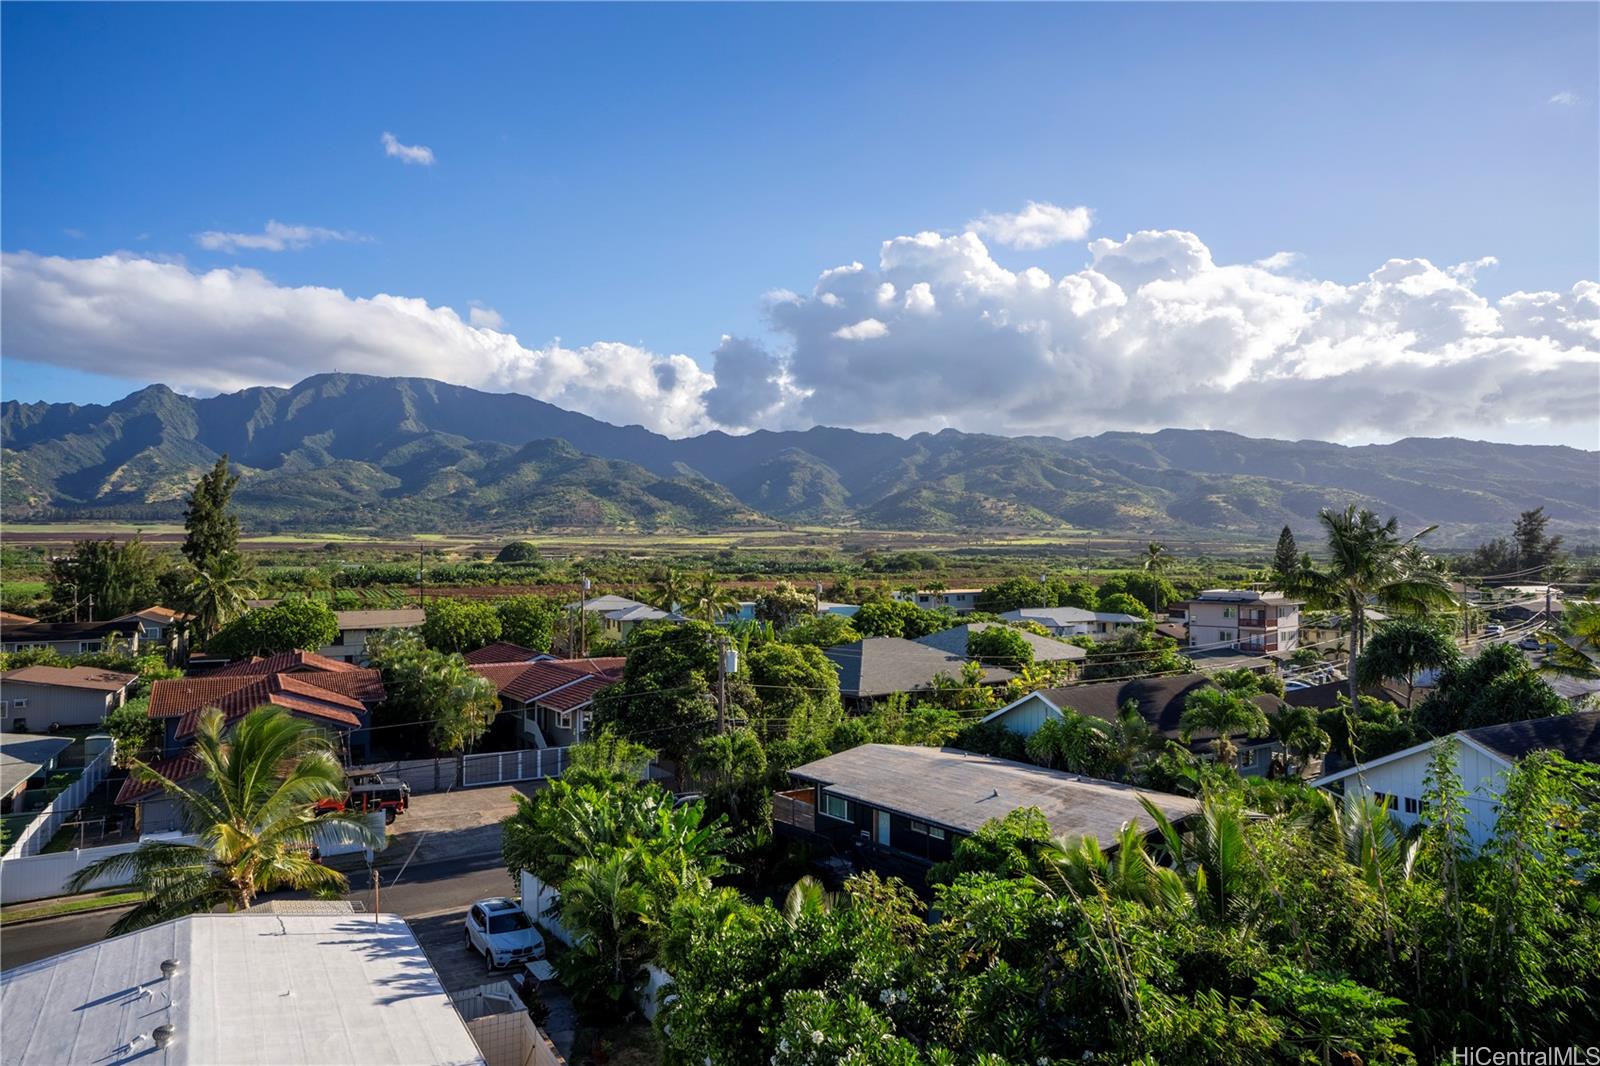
<point x="539" y="902"/>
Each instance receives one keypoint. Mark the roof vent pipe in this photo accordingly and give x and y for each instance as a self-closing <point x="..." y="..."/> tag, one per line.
<point x="168" y="968"/>
<point x="163" y="1035"/>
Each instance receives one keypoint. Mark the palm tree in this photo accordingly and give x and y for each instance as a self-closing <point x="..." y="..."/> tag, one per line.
<point x="1302" y="736"/>
<point x="1400" y="649"/>
<point x="253" y="815"/>
<point x="710" y="600"/>
<point x="216" y="595"/>
<point x="1369" y="563"/>
<point x="607" y="901"/>
<point x="1226" y="712"/>
<point x="1210" y="851"/>
<point x="729" y="765"/>
<point x="668" y="589"/>
<point x="1577" y="647"/>
<point x="1127" y="872"/>
<point x="1156" y="558"/>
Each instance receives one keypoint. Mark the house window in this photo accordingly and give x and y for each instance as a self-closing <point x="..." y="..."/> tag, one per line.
<point x="835" y="806"/>
<point x="564" y="719"/>
<point x="1412" y="806"/>
<point x="88" y="645"/>
<point x="1383" y="799"/>
<point x="19" y="704"/>
<point x="1227" y="612"/>
<point x="920" y="828"/>
<point x="935" y="833"/>
<point x="1224" y="634"/>
<point x="1247" y="758"/>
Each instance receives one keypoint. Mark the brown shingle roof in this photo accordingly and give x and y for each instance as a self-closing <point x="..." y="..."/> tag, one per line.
<point x="283" y="660"/>
<point x="527" y="682"/>
<point x="72" y="677"/>
<point x="1161" y="700"/>
<point x="501" y="651"/>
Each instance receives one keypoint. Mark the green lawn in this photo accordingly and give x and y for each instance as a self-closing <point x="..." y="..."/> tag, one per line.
<point x="21" y="912"/>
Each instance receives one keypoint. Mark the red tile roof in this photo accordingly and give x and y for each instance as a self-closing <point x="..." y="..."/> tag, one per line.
<point x="317" y="695"/>
<point x="255" y="666"/>
<point x="527" y="682"/>
<point x="578" y="694"/>
<point x="363" y="683"/>
<point x="178" y="768"/>
<point x="501" y="651"/>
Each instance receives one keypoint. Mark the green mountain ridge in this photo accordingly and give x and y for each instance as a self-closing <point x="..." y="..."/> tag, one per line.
<point x="409" y="454"/>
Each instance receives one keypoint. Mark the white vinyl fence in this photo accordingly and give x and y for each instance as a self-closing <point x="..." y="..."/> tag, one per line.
<point x="504" y="767"/>
<point x="31" y="877"/>
<point x="38" y="832"/>
<point x="539" y="902"/>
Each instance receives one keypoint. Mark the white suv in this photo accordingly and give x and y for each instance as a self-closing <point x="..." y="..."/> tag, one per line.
<point x="503" y="932"/>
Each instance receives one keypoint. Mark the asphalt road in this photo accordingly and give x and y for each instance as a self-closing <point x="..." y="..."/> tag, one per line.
<point x="443" y="885"/>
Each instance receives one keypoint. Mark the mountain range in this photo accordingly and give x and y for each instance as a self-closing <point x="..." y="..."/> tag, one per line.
<point x="395" y="454"/>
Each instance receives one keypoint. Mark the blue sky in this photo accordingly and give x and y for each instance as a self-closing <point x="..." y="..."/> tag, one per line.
<point x="643" y="175"/>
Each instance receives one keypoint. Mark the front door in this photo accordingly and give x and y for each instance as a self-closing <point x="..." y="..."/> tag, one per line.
<point x="883" y="828"/>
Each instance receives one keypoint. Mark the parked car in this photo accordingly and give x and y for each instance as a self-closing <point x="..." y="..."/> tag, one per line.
<point x="1290" y="686"/>
<point x="502" y="931"/>
<point x="1530" y="644"/>
<point x="1494" y="630"/>
<point x="368" y="791"/>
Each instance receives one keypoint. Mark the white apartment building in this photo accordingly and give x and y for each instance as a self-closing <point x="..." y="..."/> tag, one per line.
<point x="1255" y="622"/>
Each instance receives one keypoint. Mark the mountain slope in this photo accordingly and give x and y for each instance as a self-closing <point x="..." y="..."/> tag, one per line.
<point x="410" y="453"/>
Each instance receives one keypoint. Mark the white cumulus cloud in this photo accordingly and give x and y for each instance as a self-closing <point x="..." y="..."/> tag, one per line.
<point x="1565" y="99"/>
<point x="418" y="154"/>
<point x="487" y="317"/>
<point x="226" y="329"/>
<point x="1037" y="225"/>
<point x="865" y="330"/>
<point x="275" y="237"/>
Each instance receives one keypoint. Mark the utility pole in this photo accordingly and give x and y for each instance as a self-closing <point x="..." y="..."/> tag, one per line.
<point x="419" y="576"/>
<point x="727" y="663"/>
<point x="583" y="618"/>
<point x="377" y="890"/>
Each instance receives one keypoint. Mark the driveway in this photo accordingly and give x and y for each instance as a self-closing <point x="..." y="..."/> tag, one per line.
<point x="446" y="825"/>
<point x="442" y="936"/>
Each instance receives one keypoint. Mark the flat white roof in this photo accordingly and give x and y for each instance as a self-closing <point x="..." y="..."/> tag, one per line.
<point x="251" y="990"/>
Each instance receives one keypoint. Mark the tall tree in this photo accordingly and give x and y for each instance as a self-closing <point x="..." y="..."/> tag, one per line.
<point x="1370" y="563"/>
<point x="1400" y="649"/>
<point x="252" y="810"/>
<point x="1286" y="560"/>
<point x="104" y="579"/>
<point x="296" y="623"/>
<point x="711" y="600"/>
<point x="1534" y="547"/>
<point x="211" y="529"/>
<point x="1225" y="711"/>
<point x="669" y="589"/>
<point x="216" y="593"/>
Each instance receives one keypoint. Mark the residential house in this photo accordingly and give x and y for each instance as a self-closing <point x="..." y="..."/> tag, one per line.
<point x="26" y="758"/>
<point x="961" y="601"/>
<point x="553" y="698"/>
<point x="503" y="651"/>
<point x="909" y="805"/>
<point x="356" y="626"/>
<point x="255" y="988"/>
<point x="1160" y="702"/>
<point x="746" y="611"/>
<point x="160" y="623"/>
<point x="878" y="667"/>
<point x="1324" y="631"/>
<point x="1075" y="621"/>
<point x="1254" y="622"/>
<point x="41" y="697"/>
<point x="1482" y="758"/>
<point x="621" y="622"/>
<point x="335" y="695"/>
<point x="953" y="641"/>
<point x="73" y="638"/>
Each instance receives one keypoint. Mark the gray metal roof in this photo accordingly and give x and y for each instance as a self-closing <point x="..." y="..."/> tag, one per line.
<point x="23" y="754"/>
<point x="1045" y="649"/>
<point x="961" y="790"/>
<point x="881" y="666"/>
<point x="1055" y="616"/>
<point x="251" y="989"/>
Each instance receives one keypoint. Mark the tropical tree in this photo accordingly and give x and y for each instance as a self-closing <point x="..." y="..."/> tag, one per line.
<point x="529" y="621"/>
<point x="1370" y="563"/>
<point x="253" y="812"/>
<point x="1400" y="649"/>
<point x="216" y="593"/>
<point x="783" y="605"/>
<point x="710" y="600"/>
<point x="432" y="690"/>
<point x="105" y="579"/>
<point x="1300" y="732"/>
<point x="1226" y="709"/>
<point x="293" y="623"/>
<point x="1577" y="646"/>
<point x="669" y="589"/>
<point x="460" y="625"/>
<point x="732" y="769"/>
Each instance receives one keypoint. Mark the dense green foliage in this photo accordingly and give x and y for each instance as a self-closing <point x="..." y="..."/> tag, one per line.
<point x="900" y="618"/>
<point x="1497" y="685"/>
<point x="529" y="621"/>
<point x="434" y="693"/>
<point x="518" y="551"/>
<point x="1400" y="649"/>
<point x="104" y="579"/>
<point x="460" y="625"/>
<point x="665" y="698"/>
<point x="292" y="624"/>
<point x="999" y="646"/>
<point x="133" y="730"/>
<point x="1141" y="651"/>
<point x="1297" y="937"/>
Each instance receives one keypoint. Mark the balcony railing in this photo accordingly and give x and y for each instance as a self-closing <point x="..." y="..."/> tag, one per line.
<point x="795" y="808"/>
<point x="1259" y="620"/>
